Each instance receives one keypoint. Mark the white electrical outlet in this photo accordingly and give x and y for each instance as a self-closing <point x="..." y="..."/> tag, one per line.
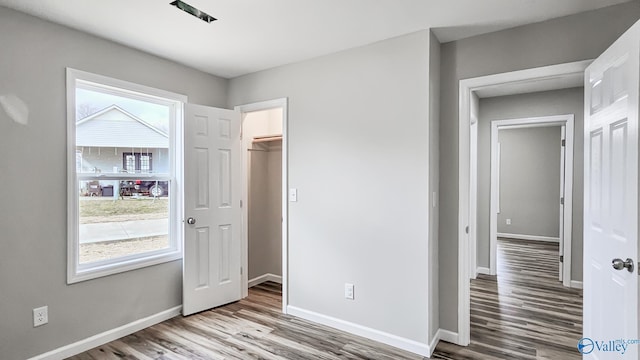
<point x="40" y="316"/>
<point x="508" y="221"/>
<point x="348" y="291"/>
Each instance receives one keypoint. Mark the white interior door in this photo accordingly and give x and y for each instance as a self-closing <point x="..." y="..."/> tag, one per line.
<point x="212" y="177"/>
<point x="611" y="198"/>
<point x="563" y="130"/>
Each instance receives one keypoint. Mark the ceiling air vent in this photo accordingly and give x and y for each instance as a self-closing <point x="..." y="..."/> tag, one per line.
<point x="193" y="11"/>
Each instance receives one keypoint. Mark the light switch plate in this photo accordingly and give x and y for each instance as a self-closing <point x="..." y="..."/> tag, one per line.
<point x="348" y="291"/>
<point x="293" y="195"/>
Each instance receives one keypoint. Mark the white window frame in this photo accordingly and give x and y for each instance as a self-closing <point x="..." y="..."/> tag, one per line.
<point x="77" y="272"/>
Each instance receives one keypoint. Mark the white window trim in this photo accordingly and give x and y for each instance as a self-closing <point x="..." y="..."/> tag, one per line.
<point x="77" y="272"/>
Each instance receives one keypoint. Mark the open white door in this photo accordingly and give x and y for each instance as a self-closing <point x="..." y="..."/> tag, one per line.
<point x="211" y="264"/>
<point x="611" y="200"/>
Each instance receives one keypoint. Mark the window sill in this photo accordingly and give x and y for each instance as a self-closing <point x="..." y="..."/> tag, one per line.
<point x="97" y="271"/>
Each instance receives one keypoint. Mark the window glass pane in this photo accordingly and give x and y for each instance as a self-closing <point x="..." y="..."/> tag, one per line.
<point x="118" y="133"/>
<point x="122" y="217"/>
<point x="145" y="163"/>
<point x="130" y="163"/>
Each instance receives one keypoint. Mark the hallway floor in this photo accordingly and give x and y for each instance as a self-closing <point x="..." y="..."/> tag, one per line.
<point x="524" y="312"/>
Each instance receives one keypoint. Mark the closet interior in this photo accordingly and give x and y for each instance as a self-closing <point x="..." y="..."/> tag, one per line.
<point x="262" y="141"/>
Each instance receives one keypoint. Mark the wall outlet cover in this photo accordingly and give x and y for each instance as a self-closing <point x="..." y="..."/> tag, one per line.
<point x="40" y="316"/>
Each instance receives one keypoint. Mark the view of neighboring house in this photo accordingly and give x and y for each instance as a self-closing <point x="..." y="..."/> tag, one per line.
<point x="113" y="140"/>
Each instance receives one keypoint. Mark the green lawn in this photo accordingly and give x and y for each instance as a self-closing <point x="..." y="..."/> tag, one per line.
<point x="110" y="207"/>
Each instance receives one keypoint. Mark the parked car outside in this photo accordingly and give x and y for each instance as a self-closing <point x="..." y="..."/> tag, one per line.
<point x="144" y="187"/>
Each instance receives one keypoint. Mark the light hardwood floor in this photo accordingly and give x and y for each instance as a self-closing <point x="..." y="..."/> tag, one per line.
<point x="524" y="314"/>
<point x="253" y="328"/>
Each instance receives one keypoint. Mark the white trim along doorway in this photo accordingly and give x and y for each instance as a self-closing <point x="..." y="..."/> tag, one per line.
<point x="244" y="110"/>
<point x="530" y="80"/>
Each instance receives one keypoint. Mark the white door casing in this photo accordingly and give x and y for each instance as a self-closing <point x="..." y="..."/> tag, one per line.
<point x="566" y="123"/>
<point x="281" y="103"/>
<point x="212" y="258"/>
<point x="611" y="194"/>
<point x="563" y="131"/>
<point x="516" y="80"/>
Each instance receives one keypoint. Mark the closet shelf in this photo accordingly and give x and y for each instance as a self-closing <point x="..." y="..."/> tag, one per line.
<point x="268" y="138"/>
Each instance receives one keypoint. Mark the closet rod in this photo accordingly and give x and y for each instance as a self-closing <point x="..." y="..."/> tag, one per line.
<point x="257" y="150"/>
<point x="259" y="139"/>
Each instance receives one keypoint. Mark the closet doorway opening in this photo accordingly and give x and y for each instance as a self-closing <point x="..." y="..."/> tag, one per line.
<point x="264" y="200"/>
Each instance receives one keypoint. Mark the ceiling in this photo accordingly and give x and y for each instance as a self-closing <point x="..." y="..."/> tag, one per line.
<point x="253" y="35"/>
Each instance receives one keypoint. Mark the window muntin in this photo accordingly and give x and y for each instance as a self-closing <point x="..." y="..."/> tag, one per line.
<point x="123" y="208"/>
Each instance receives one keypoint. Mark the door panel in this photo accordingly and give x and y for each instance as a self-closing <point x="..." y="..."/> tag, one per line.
<point x="611" y="196"/>
<point x="211" y="275"/>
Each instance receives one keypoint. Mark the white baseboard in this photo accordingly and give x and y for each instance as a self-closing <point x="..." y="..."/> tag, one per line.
<point x="434" y="342"/>
<point x="448" y="336"/>
<point x="576" y="284"/>
<point x="108" y="336"/>
<point x="483" y="270"/>
<point x="369" y="333"/>
<point x="264" y="278"/>
<point x="529" y="237"/>
<point x="442" y="335"/>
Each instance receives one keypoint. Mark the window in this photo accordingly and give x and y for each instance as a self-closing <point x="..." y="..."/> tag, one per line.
<point x="136" y="162"/>
<point x="123" y="176"/>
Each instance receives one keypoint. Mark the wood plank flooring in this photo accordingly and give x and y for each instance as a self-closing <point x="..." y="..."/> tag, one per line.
<point x="524" y="312"/>
<point x="253" y="328"/>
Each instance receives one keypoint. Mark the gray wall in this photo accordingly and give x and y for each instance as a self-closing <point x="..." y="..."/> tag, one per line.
<point x="572" y="38"/>
<point x="33" y="216"/>
<point x="530" y="181"/>
<point x="558" y="102"/>
<point x="359" y="157"/>
<point x="265" y="213"/>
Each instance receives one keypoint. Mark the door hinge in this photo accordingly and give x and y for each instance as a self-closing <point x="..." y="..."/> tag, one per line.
<point x="561" y="258"/>
<point x="564" y="142"/>
<point x="562" y="201"/>
<point x="240" y="270"/>
<point x="240" y="204"/>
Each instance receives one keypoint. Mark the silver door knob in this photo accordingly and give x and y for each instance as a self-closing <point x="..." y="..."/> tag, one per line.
<point x="618" y="264"/>
<point x="191" y="221"/>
